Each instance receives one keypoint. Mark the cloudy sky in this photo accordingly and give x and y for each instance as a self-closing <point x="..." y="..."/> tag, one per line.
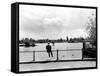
<point x="42" y="22"/>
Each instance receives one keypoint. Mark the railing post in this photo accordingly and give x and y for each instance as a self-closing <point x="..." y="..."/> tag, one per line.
<point x="83" y="50"/>
<point x="82" y="53"/>
<point x="33" y="55"/>
<point x="57" y="54"/>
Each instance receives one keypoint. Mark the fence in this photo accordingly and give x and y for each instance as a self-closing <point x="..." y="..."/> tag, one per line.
<point x="38" y="56"/>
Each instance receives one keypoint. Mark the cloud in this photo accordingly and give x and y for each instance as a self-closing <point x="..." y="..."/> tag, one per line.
<point x="49" y="22"/>
<point x="47" y="27"/>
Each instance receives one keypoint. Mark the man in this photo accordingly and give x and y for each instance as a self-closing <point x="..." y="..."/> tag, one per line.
<point x="48" y="48"/>
<point x="53" y="43"/>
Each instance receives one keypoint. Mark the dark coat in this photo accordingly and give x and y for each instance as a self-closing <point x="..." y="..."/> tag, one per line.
<point x="48" y="47"/>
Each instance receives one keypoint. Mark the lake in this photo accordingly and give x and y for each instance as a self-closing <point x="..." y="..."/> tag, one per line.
<point x="59" y="46"/>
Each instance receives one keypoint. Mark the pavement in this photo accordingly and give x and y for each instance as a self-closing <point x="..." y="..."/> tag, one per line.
<point x="56" y="65"/>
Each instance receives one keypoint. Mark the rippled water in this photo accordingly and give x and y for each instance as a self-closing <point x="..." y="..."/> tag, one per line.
<point x="59" y="46"/>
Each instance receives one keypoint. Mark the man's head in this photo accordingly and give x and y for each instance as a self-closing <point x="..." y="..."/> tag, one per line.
<point x="48" y="43"/>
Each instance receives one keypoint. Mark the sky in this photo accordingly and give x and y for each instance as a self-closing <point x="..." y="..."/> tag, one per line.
<point x="48" y="22"/>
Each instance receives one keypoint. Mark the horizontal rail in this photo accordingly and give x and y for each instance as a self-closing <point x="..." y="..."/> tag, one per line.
<point x="52" y="50"/>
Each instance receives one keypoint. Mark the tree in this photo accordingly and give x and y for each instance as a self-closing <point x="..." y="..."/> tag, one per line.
<point x="91" y="28"/>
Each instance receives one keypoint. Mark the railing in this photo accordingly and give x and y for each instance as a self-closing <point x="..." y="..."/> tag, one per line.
<point x="57" y="55"/>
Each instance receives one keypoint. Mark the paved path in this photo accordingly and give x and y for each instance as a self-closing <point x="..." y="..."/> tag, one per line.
<point x="56" y="65"/>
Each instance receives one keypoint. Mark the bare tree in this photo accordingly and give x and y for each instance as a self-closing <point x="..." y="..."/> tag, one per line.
<point x="91" y="28"/>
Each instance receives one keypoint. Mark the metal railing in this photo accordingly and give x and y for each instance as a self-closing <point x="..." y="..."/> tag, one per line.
<point x="57" y="53"/>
